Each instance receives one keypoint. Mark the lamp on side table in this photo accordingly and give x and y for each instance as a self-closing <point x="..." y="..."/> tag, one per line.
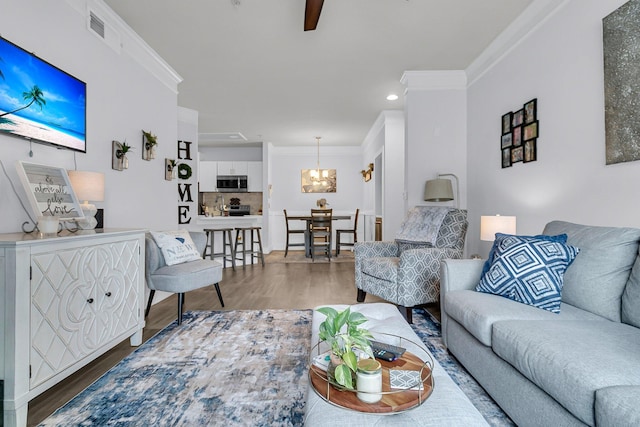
<point x="88" y="186"/>
<point x="492" y="224"/>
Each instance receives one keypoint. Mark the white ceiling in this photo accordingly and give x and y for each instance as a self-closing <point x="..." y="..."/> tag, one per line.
<point x="249" y="68"/>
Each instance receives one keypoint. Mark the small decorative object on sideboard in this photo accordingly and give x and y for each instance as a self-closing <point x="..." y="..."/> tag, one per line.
<point x="149" y="142"/>
<point x="342" y="333"/>
<point x="40" y="183"/>
<point x="519" y="135"/>
<point x="49" y="225"/>
<point x="119" y="160"/>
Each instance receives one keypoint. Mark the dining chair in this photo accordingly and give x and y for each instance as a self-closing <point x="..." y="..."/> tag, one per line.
<point x="320" y="232"/>
<point x="353" y="231"/>
<point x="292" y="232"/>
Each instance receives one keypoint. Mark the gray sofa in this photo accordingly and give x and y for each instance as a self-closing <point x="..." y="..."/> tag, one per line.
<point x="578" y="367"/>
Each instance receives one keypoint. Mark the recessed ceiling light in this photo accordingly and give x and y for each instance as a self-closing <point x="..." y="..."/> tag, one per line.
<point x="392" y="97"/>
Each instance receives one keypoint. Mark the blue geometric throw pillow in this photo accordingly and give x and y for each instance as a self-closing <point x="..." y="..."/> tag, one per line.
<point x="562" y="238"/>
<point x="528" y="270"/>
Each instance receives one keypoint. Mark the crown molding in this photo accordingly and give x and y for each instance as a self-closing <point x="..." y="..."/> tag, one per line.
<point x="534" y="16"/>
<point x="130" y="42"/>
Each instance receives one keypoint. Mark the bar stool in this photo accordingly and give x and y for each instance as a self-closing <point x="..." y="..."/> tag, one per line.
<point x="227" y="242"/>
<point x="241" y="239"/>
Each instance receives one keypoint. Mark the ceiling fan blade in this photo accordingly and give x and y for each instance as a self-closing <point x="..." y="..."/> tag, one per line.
<point x="312" y="14"/>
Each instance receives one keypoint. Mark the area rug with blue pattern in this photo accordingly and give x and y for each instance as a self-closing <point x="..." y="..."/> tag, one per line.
<point x="228" y="368"/>
<point x="221" y="368"/>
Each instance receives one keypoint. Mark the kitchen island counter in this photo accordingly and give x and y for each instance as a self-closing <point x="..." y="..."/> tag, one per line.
<point x="229" y="221"/>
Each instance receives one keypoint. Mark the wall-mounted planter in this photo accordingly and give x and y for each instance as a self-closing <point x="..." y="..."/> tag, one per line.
<point x="119" y="160"/>
<point x="149" y="143"/>
<point x="170" y="169"/>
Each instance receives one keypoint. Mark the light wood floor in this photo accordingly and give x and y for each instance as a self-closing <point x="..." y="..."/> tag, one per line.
<point x="277" y="285"/>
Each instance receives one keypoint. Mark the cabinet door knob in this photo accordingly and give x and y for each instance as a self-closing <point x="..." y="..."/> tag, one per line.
<point x="90" y="300"/>
<point x="108" y="294"/>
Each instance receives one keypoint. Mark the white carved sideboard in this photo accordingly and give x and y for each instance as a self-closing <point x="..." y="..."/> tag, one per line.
<point x="66" y="300"/>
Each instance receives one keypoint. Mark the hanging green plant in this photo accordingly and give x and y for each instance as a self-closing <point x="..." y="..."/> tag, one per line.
<point x="123" y="149"/>
<point x="184" y="171"/>
<point x="151" y="139"/>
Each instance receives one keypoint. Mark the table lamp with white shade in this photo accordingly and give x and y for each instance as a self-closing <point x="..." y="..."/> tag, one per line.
<point x="492" y="224"/>
<point x="89" y="187"/>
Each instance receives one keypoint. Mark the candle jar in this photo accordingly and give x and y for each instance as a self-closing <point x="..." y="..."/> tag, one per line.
<point x="369" y="380"/>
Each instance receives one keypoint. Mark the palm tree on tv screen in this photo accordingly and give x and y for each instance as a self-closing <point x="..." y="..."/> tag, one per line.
<point x="34" y="96"/>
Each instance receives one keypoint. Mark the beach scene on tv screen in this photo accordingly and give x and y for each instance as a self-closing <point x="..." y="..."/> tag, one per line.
<point x="39" y="101"/>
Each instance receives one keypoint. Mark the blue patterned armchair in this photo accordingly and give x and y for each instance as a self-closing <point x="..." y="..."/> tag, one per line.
<point x="406" y="271"/>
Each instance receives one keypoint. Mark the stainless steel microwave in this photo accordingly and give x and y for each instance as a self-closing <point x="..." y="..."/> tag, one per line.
<point x="232" y="183"/>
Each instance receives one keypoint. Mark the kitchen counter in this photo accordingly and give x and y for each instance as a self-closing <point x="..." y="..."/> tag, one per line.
<point x="229" y="220"/>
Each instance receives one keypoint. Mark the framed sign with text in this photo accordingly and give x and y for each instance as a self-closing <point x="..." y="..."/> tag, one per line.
<point x="49" y="191"/>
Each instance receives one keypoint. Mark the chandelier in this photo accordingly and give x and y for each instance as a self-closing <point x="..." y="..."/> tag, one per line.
<point x="319" y="176"/>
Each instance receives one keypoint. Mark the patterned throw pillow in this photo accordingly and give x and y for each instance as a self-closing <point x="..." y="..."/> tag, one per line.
<point x="528" y="270"/>
<point x="561" y="238"/>
<point x="176" y="246"/>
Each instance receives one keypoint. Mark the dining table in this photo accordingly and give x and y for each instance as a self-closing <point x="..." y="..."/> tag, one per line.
<point x="307" y="232"/>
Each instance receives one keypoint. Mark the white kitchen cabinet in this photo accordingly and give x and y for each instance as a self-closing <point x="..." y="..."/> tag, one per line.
<point x="232" y="168"/>
<point x="207" y="174"/>
<point x="67" y="300"/>
<point x="254" y="176"/>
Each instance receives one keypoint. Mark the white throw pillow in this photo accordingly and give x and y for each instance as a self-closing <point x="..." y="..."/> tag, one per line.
<point x="176" y="246"/>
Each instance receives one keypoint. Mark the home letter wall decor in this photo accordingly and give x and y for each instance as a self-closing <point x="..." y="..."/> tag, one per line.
<point x="184" y="189"/>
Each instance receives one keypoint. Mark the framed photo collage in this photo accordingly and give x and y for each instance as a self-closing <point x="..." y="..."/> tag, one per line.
<point x="520" y="131"/>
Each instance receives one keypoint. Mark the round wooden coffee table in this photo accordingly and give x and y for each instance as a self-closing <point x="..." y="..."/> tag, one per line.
<point x="393" y="400"/>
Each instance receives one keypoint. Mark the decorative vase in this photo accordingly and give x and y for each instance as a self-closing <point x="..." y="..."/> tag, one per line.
<point x="334" y="361"/>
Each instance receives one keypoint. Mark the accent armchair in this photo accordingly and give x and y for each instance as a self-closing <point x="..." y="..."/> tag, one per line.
<point x="406" y="271"/>
<point x="182" y="277"/>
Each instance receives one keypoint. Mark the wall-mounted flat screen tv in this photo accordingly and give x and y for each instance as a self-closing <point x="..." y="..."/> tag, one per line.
<point x="39" y="101"/>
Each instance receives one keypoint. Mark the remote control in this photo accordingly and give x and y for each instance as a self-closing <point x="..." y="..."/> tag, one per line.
<point x="385" y="355"/>
<point x="377" y="345"/>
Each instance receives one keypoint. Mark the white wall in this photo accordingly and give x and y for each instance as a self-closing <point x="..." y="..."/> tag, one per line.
<point x="127" y="91"/>
<point x="285" y="164"/>
<point x="435" y="111"/>
<point x="231" y="153"/>
<point x="384" y="145"/>
<point x="560" y="62"/>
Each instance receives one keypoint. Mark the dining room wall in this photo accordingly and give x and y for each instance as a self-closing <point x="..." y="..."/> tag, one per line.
<point x="286" y="164"/>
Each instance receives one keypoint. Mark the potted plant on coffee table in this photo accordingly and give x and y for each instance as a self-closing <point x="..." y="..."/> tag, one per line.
<point x="342" y="333"/>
